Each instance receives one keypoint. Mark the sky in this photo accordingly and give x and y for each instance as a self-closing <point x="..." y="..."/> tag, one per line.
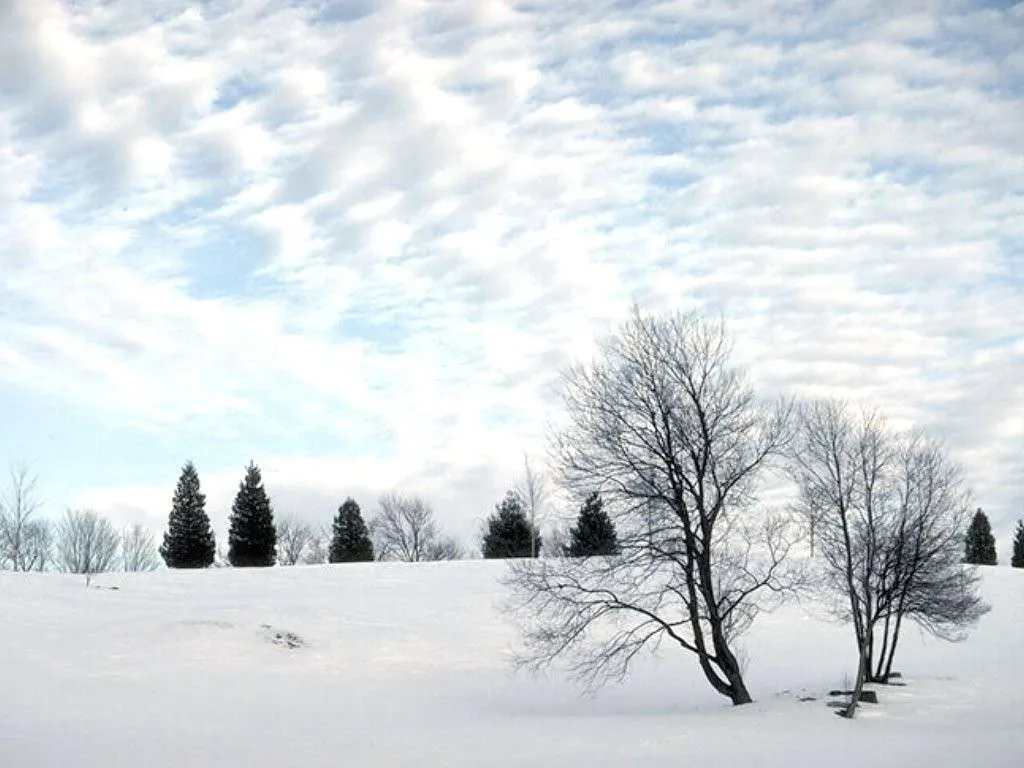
<point x="357" y="241"/>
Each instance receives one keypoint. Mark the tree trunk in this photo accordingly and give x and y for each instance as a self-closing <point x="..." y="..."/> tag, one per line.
<point x="892" y="649"/>
<point x="862" y="671"/>
<point x="738" y="689"/>
<point x="876" y="670"/>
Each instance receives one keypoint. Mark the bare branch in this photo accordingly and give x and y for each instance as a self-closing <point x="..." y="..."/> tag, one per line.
<point x="318" y="548"/>
<point x="86" y="543"/>
<point x="138" y="550"/>
<point x="293" y="538"/>
<point x="533" y="492"/>
<point x="24" y="542"/>
<point x="405" y="529"/>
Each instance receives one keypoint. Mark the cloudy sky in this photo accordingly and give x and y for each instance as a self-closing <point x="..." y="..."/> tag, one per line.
<point x="356" y="240"/>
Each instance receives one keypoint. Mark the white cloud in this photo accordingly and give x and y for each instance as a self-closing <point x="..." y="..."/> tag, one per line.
<point x="388" y="225"/>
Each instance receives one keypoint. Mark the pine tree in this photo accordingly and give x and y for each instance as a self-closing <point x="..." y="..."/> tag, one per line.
<point x="350" y="542"/>
<point x="980" y="543"/>
<point x="508" y="530"/>
<point x="594" y="532"/>
<point x="252" y="537"/>
<point x="188" y="541"/>
<point x="1018" y="546"/>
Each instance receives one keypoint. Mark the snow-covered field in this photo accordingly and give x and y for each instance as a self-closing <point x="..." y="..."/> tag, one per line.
<point x="399" y="664"/>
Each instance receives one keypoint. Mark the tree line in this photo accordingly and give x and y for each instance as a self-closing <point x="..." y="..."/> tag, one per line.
<point x="404" y="529"/>
<point x="83" y="541"/>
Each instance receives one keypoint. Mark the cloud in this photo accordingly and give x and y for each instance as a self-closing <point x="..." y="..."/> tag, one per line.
<point x="377" y="229"/>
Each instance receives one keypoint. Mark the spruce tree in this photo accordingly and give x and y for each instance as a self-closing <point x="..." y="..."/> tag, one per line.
<point x="508" y="530"/>
<point x="594" y="532"/>
<point x="1018" y="546"/>
<point x="980" y="546"/>
<point x="188" y="541"/>
<point x="252" y="538"/>
<point x="350" y="541"/>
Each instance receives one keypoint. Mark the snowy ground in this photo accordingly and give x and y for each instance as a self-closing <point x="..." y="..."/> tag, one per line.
<point x="408" y="665"/>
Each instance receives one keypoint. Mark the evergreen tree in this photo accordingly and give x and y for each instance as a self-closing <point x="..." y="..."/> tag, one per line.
<point x="188" y="541"/>
<point x="252" y="537"/>
<point x="350" y="542"/>
<point x="594" y="532"/>
<point x="508" y="530"/>
<point x="1018" y="546"/>
<point x="980" y="543"/>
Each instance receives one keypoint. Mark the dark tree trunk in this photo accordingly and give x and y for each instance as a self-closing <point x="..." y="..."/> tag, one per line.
<point x="738" y="692"/>
<point x="876" y="671"/>
<point x="892" y="649"/>
<point x="858" y="688"/>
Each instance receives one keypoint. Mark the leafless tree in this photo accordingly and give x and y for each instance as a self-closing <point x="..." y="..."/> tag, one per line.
<point x="405" y="529"/>
<point x="445" y="548"/>
<point x="556" y="541"/>
<point x="86" y="543"/>
<point x="220" y="556"/>
<point x="37" y="545"/>
<point x="533" y="492"/>
<point x="666" y="429"/>
<point x="293" y="538"/>
<point x="24" y="542"/>
<point x="138" y="550"/>
<point x="891" y="510"/>
<point x="318" y="548"/>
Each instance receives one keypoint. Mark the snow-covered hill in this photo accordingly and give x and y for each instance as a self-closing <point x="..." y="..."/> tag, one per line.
<point x="396" y="665"/>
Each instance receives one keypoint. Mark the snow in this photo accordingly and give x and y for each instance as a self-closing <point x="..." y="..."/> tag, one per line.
<point x="398" y="665"/>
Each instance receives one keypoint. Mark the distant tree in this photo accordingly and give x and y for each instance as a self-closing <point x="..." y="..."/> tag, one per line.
<point x="252" y="538"/>
<point x="25" y="543"/>
<point x="445" y="548"/>
<point x="37" y="545"/>
<point x="188" y="541"/>
<point x="556" y="541"/>
<point x="1017" y="561"/>
<point x="293" y="537"/>
<point x="318" y="549"/>
<point x="350" y="538"/>
<point x="405" y="529"/>
<point x="594" y="532"/>
<point x="533" y="493"/>
<point x="508" y="532"/>
<point x="86" y="543"/>
<point x="220" y="557"/>
<point x="980" y="544"/>
<point x="138" y="551"/>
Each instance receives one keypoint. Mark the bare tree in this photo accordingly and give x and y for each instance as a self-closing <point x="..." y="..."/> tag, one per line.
<point x="318" y="549"/>
<point x="890" y="513"/>
<point x="556" y="541"/>
<point x="24" y="542"/>
<point x="37" y="545"/>
<point x="445" y="548"/>
<point x="669" y="433"/>
<point x="138" y="550"/>
<point x="86" y="543"/>
<point x="405" y="529"/>
<point x="293" y="537"/>
<point x="533" y="492"/>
